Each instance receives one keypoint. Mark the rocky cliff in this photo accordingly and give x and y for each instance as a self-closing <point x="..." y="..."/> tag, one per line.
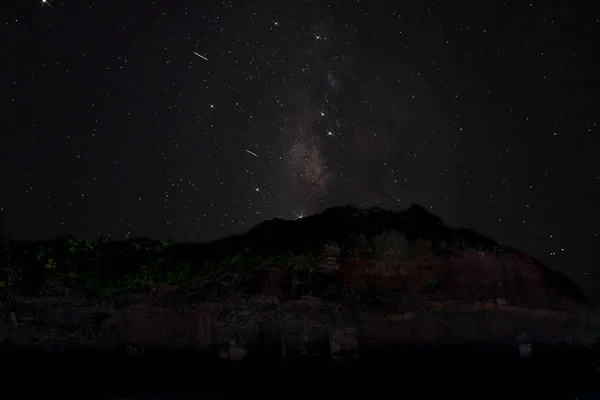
<point x="335" y="284"/>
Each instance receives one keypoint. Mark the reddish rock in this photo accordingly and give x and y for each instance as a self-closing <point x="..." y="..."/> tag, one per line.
<point x="367" y="290"/>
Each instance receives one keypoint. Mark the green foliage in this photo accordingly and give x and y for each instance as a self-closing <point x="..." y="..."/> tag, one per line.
<point x="332" y="290"/>
<point x="94" y="266"/>
<point x="105" y="268"/>
<point x="295" y="262"/>
<point x="432" y="286"/>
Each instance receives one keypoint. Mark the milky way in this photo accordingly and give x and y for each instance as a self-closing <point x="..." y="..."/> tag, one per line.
<point x="307" y="163"/>
<point x="196" y="120"/>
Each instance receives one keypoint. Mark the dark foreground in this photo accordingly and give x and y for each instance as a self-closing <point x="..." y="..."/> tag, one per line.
<point x="402" y="373"/>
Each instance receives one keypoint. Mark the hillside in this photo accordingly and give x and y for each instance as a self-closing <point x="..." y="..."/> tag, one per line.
<point x="340" y="284"/>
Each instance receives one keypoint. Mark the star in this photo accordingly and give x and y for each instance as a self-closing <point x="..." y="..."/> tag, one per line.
<point x="270" y="147"/>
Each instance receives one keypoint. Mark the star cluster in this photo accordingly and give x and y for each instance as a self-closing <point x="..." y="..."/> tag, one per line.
<point x="195" y="120"/>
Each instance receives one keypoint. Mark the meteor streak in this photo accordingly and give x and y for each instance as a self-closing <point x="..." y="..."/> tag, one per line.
<point x="200" y="55"/>
<point x="254" y="154"/>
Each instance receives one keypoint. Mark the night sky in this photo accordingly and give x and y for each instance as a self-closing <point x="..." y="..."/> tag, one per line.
<point x="194" y="120"/>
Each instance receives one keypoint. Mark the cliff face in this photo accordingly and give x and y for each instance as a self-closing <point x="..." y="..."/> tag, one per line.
<point x="406" y="281"/>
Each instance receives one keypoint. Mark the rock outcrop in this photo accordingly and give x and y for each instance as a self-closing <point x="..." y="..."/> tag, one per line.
<point x="329" y="285"/>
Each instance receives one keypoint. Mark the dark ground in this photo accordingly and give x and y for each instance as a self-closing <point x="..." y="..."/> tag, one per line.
<point x="401" y="373"/>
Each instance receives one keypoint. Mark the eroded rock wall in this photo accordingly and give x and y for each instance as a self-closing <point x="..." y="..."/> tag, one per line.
<point x="378" y="291"/>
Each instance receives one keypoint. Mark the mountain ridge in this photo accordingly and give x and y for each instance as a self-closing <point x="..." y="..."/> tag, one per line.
<point x="333" y="284"/>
